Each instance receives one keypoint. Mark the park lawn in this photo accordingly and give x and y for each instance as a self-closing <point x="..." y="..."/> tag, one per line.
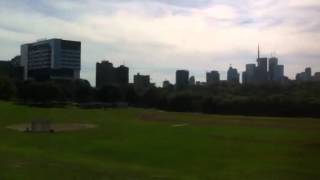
<point x="150" y="144"/>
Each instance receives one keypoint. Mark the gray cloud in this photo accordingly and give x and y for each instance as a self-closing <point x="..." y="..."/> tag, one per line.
<point x="158" y="36"/>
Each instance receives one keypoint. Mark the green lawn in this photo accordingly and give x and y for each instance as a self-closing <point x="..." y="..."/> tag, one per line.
<point x="149" y="144"/>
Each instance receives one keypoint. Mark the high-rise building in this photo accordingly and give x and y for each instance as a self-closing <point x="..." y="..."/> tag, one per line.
<point x="278" y="73"/>
<point x="308" y="73"/>
<point x="244" y="77"/>
<point x="273" y="63"/>
<point x="212" y="77"/>
<point x="182" y="79"/>
<point x="249" y="75"/>
<point x="51" y="59"/>
<point x="304" y="76"/>
<point x="233" y="75"/>
<point x="192" y="81"/>
<point x="141" y="82"/>
<point x="122" y="75"/>
<point x="106" y="74"/>
<point x="261" y="73"/>
<point x="301" y="76"/>
<point x="262" y="70"/>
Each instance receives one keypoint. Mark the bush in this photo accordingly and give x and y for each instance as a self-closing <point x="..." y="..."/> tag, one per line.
<point x="7" y="88"/>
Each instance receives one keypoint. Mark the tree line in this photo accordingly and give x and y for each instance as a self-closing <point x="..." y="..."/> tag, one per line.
<point x="292" y="99"/>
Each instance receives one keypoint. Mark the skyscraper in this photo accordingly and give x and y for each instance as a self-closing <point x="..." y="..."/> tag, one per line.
<point x="261" y="74"/>
<point x="122" y="75"/>
<point x="212" y="77"/>
<point x="308" y="73"/>
<point x="278" y="74"/>
<point x="233" y="75"/>
<point x="249" y="75"/>
<point x="51" y="59"/>
<point x="304" y="76"/>
<point x="182" y="79"/>
<point x="262" y="69"/>
<point x="273" y="63"/>
<point x="106" y="74"/>
<point x="141" y="82"/>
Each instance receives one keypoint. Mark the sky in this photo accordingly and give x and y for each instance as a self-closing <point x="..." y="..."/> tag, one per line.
<point x="156" y="37"/>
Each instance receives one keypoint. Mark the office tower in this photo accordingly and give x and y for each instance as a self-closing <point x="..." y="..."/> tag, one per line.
<point x="182" y="79"/>
<point x="244" y="77"/>
<point x="233" y="75"/>
<point x="301" y="76"/>
<point x="278" y="73"/>
<point x="106" y="74"/>
<point x="261" y="73"/>
<point x="212" y="77"/>
<point x="192" y="81"/>
<point x="122" y="75"/>
<point x="273" y="63"/>
<point x="308" y="73"/>
<point x="141" y="82"/>
<point x="262" y="70"/>
<point x="249" y="75"/>
<point x="51" y="59"/>
<point x="304" y="76"/>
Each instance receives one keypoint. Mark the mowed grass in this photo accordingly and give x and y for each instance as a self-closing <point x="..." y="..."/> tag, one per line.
<point x="150" y="144"/>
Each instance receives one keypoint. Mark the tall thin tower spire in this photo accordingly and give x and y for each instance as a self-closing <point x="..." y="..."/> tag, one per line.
<point x="258" y="51"/>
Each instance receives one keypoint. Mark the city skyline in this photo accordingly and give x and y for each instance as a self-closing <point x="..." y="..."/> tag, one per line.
<point x="158" y="37"/>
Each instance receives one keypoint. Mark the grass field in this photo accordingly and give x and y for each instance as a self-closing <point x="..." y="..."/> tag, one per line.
<point x="150" y="144"/>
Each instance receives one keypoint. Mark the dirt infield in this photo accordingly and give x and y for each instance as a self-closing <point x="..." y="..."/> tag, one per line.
<point x="58" y="127"/>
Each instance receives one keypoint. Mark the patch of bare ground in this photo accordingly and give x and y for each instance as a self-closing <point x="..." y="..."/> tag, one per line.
<point x="58" y="127"/>
<point x="207" y="120"/>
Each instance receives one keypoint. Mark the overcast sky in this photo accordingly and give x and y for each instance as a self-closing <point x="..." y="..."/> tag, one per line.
<point x="157" y="37"/>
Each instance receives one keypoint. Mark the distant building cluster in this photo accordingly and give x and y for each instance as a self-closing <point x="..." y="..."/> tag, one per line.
<point x="266" y="70"/>
<point x="58" y="59"/>
<point x="307" y="75"/>
<point x="106" y="74"/>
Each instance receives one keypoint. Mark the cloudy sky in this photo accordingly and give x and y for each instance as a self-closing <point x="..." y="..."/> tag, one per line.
<point x="158" y="36"/>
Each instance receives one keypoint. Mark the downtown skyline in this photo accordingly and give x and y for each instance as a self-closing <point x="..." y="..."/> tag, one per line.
<point x="158" y="37"/>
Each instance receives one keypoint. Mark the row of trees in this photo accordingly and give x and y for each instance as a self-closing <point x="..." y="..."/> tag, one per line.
<point x="294" y="99"/>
